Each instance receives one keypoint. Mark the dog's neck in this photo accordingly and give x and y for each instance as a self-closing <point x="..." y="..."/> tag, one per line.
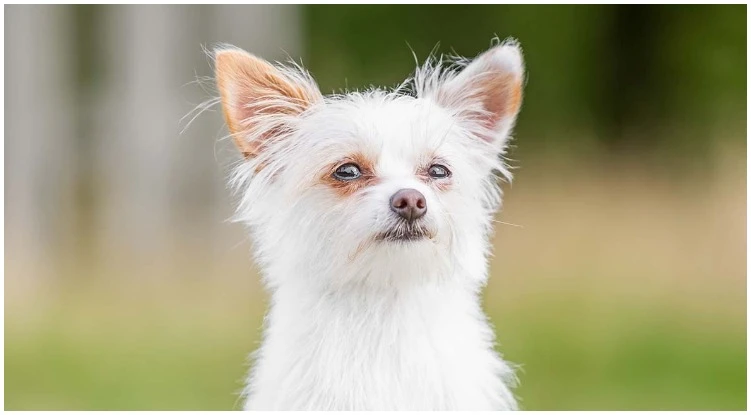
<point x="426" y="334"/>
<point x="361" y="302"/>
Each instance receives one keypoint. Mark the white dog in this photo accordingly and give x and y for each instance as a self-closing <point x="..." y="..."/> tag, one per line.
<point x="370" y="214"/>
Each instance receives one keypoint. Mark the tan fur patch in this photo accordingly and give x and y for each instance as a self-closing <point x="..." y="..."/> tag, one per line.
<point x="348" y="188"/>
<point x="515" y="98"/>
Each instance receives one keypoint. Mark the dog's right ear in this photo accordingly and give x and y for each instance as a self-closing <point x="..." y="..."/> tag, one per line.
<point x="253" y="91"/>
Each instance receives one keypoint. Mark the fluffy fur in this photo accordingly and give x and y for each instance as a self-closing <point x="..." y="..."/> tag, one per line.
<point x="357" y="322"/>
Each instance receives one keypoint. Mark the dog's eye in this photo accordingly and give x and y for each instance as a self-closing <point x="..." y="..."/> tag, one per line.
<point x="438" y="171"/>
<point x="347" y="172"/>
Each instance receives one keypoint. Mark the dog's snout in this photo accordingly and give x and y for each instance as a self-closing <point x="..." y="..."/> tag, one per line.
<point x="409" y="204"/>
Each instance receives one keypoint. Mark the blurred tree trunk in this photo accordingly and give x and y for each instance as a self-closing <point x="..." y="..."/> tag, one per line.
<point x="630" y="97"/>
<point x="39" y="135"/>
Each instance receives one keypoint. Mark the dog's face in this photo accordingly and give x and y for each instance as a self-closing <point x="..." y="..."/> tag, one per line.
<point x="380" y="184"/>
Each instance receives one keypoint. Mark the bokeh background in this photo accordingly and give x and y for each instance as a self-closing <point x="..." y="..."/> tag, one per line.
<point x="622" y="285"/>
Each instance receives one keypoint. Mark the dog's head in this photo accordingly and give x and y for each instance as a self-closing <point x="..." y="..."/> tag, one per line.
<point x="371" y="184"/>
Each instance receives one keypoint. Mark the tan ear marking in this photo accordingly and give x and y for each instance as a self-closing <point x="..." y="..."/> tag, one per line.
<point x="251" y="87"/>
<point x="494" y="80"/>
<point x="502" y="96"/>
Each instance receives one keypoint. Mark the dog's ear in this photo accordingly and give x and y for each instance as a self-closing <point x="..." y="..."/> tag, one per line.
<point x="488" y="90"/>
<point x="253" y="91"/>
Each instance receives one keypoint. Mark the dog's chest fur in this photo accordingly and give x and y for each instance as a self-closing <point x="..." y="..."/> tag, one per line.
<point x="425" y="348"/>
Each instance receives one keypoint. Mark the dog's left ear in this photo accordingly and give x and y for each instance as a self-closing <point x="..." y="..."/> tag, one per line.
<point x="488" y="90"/>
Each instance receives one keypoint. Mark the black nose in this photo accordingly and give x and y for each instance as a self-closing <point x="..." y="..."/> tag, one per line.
<point x="409" y="204"/>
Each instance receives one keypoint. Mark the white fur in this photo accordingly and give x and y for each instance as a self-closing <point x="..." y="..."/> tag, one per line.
<point x="356" y="324"/>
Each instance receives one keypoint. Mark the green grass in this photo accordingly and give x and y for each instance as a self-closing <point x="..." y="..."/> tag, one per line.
<point x="150" y="363"/>
<point x="638" y="359"/>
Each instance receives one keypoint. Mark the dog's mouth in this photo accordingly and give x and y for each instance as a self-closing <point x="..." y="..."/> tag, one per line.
<point x="405" y="233"/>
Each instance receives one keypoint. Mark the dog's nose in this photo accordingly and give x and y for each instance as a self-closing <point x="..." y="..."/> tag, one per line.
<point x="409" y="204"/>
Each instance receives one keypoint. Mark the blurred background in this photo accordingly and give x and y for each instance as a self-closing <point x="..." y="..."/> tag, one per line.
<point x="622" y="287"/>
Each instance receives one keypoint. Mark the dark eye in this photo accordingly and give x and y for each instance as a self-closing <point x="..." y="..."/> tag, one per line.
<point x="347" y="172"/>
<point x="438" y="171"/>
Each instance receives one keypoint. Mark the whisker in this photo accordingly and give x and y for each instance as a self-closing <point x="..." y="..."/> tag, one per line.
<point x="197" y="111"/>
<point x="507" y="223"/>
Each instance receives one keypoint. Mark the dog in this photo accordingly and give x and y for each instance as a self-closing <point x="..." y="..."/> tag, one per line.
<point x="370" y="215"/>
